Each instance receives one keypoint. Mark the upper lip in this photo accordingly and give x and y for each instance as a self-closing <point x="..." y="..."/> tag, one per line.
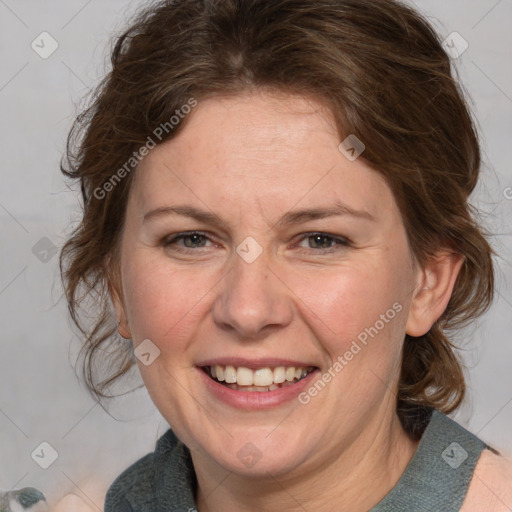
<point x="254" y="364"/>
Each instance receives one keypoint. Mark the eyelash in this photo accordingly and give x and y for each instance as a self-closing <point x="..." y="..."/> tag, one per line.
<point x="343" y="242"/>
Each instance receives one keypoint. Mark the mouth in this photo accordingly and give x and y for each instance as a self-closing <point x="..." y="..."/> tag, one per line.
<point x="263" y="379"/>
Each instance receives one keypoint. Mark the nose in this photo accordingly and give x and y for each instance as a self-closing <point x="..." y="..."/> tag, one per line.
<point x="252" y="300"/>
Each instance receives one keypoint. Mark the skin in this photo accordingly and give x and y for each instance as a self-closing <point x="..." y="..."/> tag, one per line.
<point x="250" y="159"/>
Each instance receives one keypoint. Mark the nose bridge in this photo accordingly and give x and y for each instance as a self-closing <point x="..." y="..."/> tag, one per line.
<point x="251" y="299"/>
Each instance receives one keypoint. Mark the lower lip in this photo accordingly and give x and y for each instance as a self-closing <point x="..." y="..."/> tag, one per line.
<point x="256" y="399"/>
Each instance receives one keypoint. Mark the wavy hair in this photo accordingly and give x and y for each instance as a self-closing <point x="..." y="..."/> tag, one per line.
<point x="381" y="69"/>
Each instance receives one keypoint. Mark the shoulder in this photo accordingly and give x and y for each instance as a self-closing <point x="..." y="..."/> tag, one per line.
<point x="491" y="486"/>
<point x="135" y="481"/>
<point x="135" y="488"/>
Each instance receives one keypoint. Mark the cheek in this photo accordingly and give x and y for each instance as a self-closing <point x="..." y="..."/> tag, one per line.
<point x="162" y="301"/>
<point x="357" y="317"/>
<point x="347" y="300"/>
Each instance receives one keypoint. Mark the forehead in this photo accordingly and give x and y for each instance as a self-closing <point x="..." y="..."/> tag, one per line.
<point x="258" y="149"/>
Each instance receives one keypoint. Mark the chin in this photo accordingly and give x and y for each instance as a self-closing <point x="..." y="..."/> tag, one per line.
<point x="263" y="451"/>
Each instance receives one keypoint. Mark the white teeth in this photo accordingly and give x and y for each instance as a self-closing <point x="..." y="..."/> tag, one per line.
<point x="230" y="374"/>
<point x="219" y="370"/>
<point x="244" y="376"/>
<point x="263" y="377"/>
<point x="279" y="375"/>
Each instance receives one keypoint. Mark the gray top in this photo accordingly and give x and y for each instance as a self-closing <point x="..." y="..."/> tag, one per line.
<point x="436" y="479"/>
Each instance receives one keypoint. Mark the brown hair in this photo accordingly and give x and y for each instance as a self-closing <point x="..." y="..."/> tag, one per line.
<point x="382" y="71"/>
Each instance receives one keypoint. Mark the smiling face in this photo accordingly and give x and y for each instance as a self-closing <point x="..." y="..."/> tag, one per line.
<point x="252" y="242"/>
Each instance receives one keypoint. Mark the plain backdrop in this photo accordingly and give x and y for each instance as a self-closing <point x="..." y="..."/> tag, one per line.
<point x="41" y="399"/>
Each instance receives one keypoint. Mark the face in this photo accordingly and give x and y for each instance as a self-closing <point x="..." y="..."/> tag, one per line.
<point x="253" y="246"/>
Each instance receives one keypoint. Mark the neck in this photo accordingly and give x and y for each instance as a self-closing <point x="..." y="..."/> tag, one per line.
<point x="355" y="479"/>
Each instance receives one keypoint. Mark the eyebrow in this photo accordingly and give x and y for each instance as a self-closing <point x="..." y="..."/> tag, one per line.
<point x="289" y="218"/>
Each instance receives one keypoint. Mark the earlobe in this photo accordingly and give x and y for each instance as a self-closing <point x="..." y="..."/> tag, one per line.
<point x="115" y="290"/>
<point x="433" y="291"/>
<point x="123" y="329"/>
<point x="122" y="322"/>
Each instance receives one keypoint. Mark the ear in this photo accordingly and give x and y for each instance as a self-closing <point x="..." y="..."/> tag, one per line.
<point x="116" y="296"/>
<point x="122" y="323"/>
<point x="433" y="291"/>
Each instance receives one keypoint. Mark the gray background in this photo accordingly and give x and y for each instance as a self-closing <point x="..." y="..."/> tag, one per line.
<point x="40" y="396"/>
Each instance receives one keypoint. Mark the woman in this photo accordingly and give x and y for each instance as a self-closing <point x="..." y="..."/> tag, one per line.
<point x="276" y="221"/>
